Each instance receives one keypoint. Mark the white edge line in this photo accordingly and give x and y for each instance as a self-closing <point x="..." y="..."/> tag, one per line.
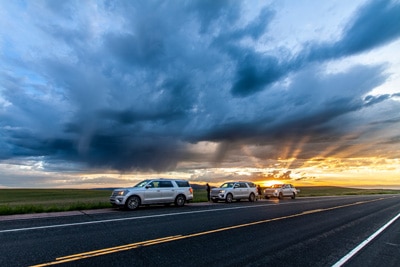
<point x="142" y="217"/>
<point x="364" y="243"/>
<point x="130" y="218"/>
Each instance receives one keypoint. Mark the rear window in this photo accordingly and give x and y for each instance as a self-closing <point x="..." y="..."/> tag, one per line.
<point x="182" y="183"/>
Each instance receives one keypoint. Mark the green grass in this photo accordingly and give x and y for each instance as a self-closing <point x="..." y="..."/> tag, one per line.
<point x="20" y="201"/>
<point x="200" y="195"/>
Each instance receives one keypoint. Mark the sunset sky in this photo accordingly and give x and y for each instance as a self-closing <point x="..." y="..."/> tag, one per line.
<point x="105" y="93"/>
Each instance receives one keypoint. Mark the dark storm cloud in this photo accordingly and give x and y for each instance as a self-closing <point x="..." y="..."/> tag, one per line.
<point x="209" y="13"/>
<point x="254" y="73"/>
<point x="373" y="25"/>
<point x="311" y="103"/>
<point x="135" y="92"/>
<point x="254" y="70"/>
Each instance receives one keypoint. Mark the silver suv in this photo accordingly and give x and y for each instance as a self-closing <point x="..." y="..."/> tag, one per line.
<point x="153" y="191"/>
<point x="234" y="191"/>
<point x="280" y="191"/>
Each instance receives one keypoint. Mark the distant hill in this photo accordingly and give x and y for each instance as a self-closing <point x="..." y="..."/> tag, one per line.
<point x="336" y="190"/>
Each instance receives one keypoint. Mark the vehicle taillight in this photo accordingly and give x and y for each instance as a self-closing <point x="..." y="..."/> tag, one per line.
<point x="191" y="190"/>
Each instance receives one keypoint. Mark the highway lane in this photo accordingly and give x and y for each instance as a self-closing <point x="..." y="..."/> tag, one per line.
<point x="301" y="232"/>
<point x="383" y="250"/>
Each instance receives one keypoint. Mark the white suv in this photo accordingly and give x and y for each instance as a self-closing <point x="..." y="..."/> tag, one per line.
<point x="234" y="191"/>
<point x="280" y="191"/>
<point x="153" y="191"/>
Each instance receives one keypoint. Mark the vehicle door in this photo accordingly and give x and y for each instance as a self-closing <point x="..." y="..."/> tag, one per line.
<point x="168" y="191"/>
<point x="286" y="190"/>
<point x="152" y="193"/>
<point x="236" y="191"/>
<point x="245" y="190"/>
<point x="252" y="189"/>
<point x="291" y="190"/>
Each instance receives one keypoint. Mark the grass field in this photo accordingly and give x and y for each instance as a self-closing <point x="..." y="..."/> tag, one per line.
<point x="20" y="201"/>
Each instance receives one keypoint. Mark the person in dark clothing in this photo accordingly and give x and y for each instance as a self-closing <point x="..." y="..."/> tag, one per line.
<point x="259" y="191"/>
<point x="208" y="191"/>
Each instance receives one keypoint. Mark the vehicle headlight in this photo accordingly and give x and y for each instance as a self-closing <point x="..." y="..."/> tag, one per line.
<point x="122" y="193"/>
<point x="221" y="191"/>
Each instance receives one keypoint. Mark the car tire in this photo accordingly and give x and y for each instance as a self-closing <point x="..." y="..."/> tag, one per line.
<point x="252" y="197"/>
<point x="132" y="203"/>
<point x="180" y="201"/>
<point x="280" y="195"/>
<point x="229" y="198"/>
<point x="294" y="196"/>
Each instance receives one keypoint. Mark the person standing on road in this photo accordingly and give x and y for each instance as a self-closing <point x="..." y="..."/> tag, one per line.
<point x="259" y="191"/>
<point x="208" y="191"/>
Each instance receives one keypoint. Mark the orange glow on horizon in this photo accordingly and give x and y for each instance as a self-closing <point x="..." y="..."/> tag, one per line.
<point x="271" y="182"/>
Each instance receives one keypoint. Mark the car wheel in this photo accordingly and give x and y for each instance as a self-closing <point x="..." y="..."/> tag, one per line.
<point x="180" y="200"/>
<point x="252" y="197"/>
<point x="294" y="196"/>
<point x="280" y="195"/>
<point x="132" y="203"/>
<point x="229" y="198"/>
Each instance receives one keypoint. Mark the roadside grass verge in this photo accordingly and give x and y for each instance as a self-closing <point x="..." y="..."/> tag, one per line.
<point x="340" y="191"/>
<point x="22" y="201"/>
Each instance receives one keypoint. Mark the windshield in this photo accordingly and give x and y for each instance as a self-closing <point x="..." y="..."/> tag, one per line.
<point x="227" y="185"/>
<point x="276" y="186"/>
<point x="142" y="183"/>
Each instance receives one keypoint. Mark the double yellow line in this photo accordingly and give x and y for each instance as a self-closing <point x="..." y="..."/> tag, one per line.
<point x="105" y="251"/>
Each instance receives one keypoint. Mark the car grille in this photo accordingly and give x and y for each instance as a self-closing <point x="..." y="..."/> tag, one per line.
<point x="214" y="193"/>
<point x="269" y="191"/>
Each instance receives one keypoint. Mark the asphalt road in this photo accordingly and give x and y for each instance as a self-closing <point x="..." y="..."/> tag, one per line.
<point x="319" y="231"/>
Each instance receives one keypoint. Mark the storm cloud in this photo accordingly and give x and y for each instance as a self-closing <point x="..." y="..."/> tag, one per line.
<point x="135" y="85"/>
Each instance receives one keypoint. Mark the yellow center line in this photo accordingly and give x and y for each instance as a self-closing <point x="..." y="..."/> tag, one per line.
<point x="110" y="250"/>
<point x="116" y="248"/>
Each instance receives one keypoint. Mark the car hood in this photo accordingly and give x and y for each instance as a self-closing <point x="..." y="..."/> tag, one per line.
<point x="129" y="188"/>
<point x="219" y="188"/>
